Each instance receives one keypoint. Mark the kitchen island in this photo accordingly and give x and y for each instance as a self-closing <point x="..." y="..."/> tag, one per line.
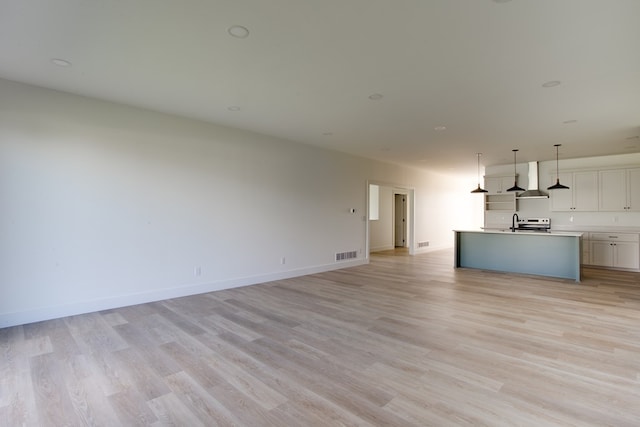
<point x="554" y="254"/>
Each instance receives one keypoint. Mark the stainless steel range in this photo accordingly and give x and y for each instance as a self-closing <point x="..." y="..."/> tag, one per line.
<point x="534" y="224"/>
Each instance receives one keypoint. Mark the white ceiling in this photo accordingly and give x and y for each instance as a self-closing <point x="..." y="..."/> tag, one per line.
<point x="308" y="67"/>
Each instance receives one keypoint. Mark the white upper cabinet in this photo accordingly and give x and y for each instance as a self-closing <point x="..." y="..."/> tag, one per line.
<point x="619" y="190"/>
<point x="582" y="194"/>
<point x="498" y="184"/>
<point x="562" y="200"/>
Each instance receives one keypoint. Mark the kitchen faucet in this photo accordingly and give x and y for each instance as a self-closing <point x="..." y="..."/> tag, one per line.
<point x="514" y="218"/>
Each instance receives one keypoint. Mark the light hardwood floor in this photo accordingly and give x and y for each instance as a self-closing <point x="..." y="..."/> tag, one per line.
<point x="403" y="341"/>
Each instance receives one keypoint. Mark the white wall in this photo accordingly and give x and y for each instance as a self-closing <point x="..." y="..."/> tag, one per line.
<point x="547" y="171"/>
<point x="104" y="205"/>
<point x="381" y="230"/>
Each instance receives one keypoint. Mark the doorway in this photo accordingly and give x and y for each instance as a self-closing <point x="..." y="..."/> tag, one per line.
<point x="390" y="213"/>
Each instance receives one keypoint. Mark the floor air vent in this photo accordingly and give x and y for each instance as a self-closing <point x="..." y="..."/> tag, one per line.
<point x="346" y="255"/>
<point x="423" y="244"/>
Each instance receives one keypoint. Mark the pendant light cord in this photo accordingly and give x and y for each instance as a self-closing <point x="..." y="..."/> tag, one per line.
<point x="557" y="185"/>
<point x="515" y="174"/>
<point x="479" y="190"/>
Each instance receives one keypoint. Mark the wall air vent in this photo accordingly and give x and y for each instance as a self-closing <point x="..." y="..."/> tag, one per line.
<point x="423" y="244"/>
<point x="346" y="255"/>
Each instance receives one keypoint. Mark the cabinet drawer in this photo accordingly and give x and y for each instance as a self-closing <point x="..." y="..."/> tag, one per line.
<point x="620" y="237"/>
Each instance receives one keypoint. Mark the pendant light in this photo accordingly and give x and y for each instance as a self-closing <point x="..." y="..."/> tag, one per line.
<point x="557" y="185"/>
<point x="479" y="190"/>
<point x="515" y="176"/>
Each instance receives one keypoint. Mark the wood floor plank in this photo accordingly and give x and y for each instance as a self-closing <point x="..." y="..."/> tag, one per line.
<point x="317" y="410"/>
<point x="131" y="409"/>
<point x="52" y="396"/>
<point x="202" y="403"/>
<point x="170" y="411"/>
<point x="137" y="338"/>
<point x="404" y="340"/>
<point x="17" y="395"/>
<point x="145" y="380"/>
<point x="91" y="406"/>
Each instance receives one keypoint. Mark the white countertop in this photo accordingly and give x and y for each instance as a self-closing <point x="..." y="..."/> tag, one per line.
<point x="598" y="228"/>
<point x="517" y="233"/>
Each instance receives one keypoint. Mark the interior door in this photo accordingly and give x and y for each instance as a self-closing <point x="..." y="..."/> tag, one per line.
<point x="400" y="220"/>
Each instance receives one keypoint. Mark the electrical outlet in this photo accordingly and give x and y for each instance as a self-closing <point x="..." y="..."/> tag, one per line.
<point x="197" y="271"/>
<point x="283" y="260"/>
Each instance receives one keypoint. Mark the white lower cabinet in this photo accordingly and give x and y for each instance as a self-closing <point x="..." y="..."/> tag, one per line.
<point x="619" y="250"/>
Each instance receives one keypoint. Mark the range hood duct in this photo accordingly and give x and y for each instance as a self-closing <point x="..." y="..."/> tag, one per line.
<point x="532" y="187"/>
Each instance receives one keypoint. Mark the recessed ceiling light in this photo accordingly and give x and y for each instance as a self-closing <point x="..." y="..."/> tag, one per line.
<point x="375" y="96"/>
<point x="238" y="31"/>
<point x="440" y="128"/>
<point x="234" y="108"/>
<point x="551" y="83"/>
<point x="567" y="122"/>
<point x="61" y="62"/>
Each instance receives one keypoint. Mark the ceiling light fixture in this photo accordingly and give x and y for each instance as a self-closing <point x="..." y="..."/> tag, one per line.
<point x="479" y="190"/>
<point x="440" y="128"/>
<point x="61" y="62"/>
<point x="551" y="83"/>
<point x="568" y="122"/>
<point x="515" y="176"/>
<point x="557" y="185"/>
<point x="375" y="96"/>
<point x="238" y="31"/>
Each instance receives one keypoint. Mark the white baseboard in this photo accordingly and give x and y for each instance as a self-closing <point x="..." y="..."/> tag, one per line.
<point x="431" y="249"/>
<point x="54" y="312"/>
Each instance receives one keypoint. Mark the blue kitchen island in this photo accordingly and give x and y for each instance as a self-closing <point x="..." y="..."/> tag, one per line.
<point x="554" y="254"/>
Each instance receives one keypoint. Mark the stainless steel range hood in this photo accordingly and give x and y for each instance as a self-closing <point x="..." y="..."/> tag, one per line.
<point x="532" y="187"/>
